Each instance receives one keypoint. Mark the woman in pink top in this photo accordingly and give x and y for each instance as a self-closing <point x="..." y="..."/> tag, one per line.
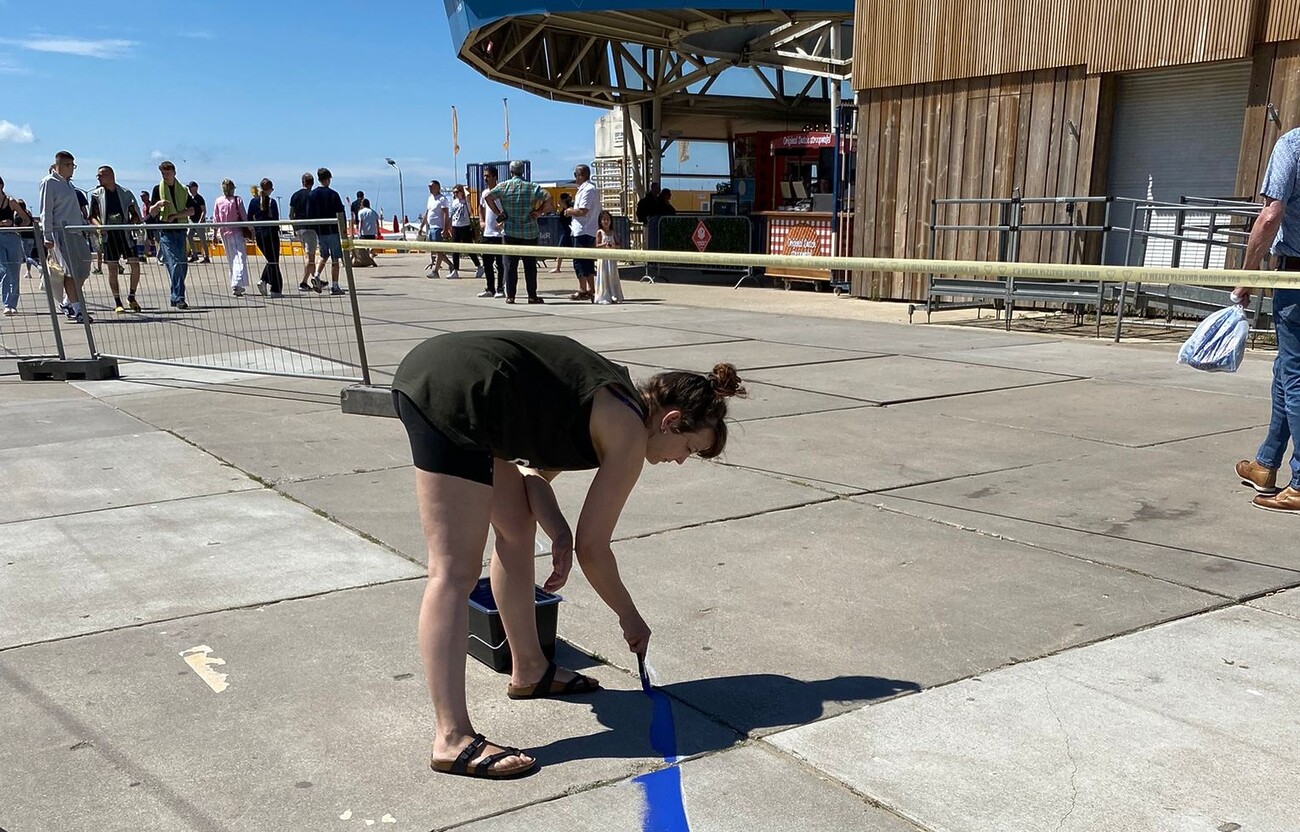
<point x="230" y="208"/>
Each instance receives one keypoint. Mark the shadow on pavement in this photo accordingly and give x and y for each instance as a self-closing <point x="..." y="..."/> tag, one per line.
<point x="742" y="704"/>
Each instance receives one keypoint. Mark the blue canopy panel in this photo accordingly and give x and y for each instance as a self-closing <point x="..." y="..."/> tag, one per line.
<point x="465" y="16"/>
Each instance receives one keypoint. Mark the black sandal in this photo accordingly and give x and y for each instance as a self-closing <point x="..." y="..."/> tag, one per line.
<point x="483" y="768"/>
<point x="546" y="686"/>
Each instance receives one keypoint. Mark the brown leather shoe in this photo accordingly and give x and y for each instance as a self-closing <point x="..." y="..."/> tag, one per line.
<point x="1287" y="500"/>
<point x="1263" y="480"/>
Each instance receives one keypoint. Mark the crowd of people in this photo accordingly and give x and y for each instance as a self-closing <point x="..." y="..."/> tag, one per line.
<point x="509" y="212"/>
<point x="169" y="222"/>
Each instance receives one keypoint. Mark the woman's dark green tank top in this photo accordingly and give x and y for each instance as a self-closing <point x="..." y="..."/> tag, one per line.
<point x="524" y="396"/>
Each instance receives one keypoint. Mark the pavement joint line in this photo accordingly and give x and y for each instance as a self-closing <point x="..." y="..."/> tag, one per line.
<point x="822" y="774"/>
<point x="831" y="409"/>
<point x="868" y="402"/>
<point x="220" y="387"/>
<point x="581" y="788"/>
<point x="1089" y="532"/>
<point x="1012" y="388"/>
<point x="936" y="397"/>
<point x="722" y="340"/>
<point x="161" y="502"/>
<point x="326" y="476"/>
<point x="955" y="360"/>
<point x="1043" y="548"/>
<point x="789" y="365"/>
<point x="254" y="605"/>
<point x="807" y="482"/>
<point x="830" y="498"/>
<point x="1225" y="432"/>
<point x="1287" y="615"/>
<point x="956" y="477"/>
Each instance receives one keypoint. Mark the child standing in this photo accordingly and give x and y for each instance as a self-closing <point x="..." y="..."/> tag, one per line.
<point x="608" y="287"/>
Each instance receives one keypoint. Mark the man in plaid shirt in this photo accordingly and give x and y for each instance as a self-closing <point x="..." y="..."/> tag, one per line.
<point x="518" y="203"/>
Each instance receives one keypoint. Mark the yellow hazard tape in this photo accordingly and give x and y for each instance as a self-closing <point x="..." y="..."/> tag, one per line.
<point x="976" y="268"/>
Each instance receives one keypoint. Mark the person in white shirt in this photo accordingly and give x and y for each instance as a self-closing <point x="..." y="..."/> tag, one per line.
<point x="493" y="234"/>
<point x="461" y="230"/>
<point x="435" y="221"/>
<point x="367" y="220"/>
<point x="71" y="249"/>
<point x="584" y="223"/>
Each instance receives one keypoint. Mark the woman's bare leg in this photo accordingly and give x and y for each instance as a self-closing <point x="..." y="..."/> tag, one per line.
<point x="513" y="572"/>
<point x="454" y="513"/>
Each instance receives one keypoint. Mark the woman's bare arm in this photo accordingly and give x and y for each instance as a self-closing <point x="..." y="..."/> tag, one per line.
<point x="546" y="510"/>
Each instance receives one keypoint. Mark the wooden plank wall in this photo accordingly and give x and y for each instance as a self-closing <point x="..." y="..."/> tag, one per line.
<point x="973" y="138"/>
<point x="912" y="43"/>
<point x="1275" y="79"/>
<point x="1280" y="20"/>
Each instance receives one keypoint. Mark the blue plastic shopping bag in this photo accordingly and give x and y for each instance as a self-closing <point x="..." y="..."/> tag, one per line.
<point x="1218" y="343"/>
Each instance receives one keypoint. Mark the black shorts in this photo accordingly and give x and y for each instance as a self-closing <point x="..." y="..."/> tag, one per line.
<point x="432" y="451"/>
<point x="118" y="246"/>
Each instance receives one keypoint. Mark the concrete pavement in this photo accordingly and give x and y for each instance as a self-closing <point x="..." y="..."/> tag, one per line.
<point x="944" y="579"/>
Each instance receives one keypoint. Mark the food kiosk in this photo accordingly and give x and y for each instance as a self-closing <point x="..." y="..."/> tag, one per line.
<point x="789" y="181"/>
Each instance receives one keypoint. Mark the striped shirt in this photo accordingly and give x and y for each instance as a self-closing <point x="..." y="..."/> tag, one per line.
<point x="519" y="198"/>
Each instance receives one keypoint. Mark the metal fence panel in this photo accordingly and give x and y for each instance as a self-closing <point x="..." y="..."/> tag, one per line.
<point x="232" y="303"/>
<point x="29" y="327"/>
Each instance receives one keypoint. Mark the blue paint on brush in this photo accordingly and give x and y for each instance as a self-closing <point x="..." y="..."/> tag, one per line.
<point x="665" y="811"/>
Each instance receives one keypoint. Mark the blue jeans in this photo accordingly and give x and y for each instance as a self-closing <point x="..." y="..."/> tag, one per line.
<point x="12" y="258"/>
<point x="1285" y="422"/>
<point x="173" y="257"/>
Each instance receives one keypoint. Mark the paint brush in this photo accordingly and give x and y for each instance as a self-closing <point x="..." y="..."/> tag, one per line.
<point x="645" y="675"/>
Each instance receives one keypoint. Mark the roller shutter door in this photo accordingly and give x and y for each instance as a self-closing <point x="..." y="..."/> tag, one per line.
<point x="1180" y="127"/>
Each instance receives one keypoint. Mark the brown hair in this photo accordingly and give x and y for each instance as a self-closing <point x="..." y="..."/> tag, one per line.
<point x="702" y="399"/>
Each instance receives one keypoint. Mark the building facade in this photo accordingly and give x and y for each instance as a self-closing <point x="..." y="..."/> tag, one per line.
<point x="1055" y="98"/>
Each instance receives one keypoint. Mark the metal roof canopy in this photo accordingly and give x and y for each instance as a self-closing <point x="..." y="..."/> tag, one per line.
<point x="609" y="53"/>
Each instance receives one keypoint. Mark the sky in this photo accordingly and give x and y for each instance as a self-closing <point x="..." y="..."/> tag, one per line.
<point x="252" y="89"/>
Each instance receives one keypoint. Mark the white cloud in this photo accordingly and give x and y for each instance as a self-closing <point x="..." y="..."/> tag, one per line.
<point x="11" y="68"/>
<point x="104" y="48"/>
<point x="156" y="154"/>
<point x="10" y="132"/>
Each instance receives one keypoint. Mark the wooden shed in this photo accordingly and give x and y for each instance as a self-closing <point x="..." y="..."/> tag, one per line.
<point x="977" y="98"/>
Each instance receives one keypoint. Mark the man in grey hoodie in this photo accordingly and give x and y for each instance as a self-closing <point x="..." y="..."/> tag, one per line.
<point x="60" y="207"/>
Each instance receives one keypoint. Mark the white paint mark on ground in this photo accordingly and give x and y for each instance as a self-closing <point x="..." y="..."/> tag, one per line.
<point x="388" y="819"/>
<point x="346" y="815"/>
<point x="201" y="661"/>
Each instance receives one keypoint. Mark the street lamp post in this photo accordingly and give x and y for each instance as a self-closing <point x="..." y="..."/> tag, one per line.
<point x="401" y="196"/>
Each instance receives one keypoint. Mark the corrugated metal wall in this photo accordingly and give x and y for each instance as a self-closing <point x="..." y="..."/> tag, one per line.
<point x="972" y="138"/>
<point x="913" y="43"/>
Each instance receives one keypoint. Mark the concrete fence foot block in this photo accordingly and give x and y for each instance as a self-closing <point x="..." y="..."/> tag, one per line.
<point x="69" y="369"/>
<point x="363" y="400"/>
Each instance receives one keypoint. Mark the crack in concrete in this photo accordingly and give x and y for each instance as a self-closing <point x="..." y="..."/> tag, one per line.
<point x="1069" y="753"/>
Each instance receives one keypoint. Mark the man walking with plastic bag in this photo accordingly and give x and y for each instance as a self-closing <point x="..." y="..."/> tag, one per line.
<point x="1279" y="225"/>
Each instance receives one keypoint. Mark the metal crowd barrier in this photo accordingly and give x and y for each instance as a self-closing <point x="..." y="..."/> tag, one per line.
<point x="311" y="334"/>
<point x="676" y="232"/>
<point x="34" y="329"/>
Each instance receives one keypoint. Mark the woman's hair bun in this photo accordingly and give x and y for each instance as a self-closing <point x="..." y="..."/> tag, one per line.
<point x="726" y="381"/>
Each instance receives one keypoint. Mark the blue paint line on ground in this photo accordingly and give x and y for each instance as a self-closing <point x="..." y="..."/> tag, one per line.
<point x="665" y="809"/>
